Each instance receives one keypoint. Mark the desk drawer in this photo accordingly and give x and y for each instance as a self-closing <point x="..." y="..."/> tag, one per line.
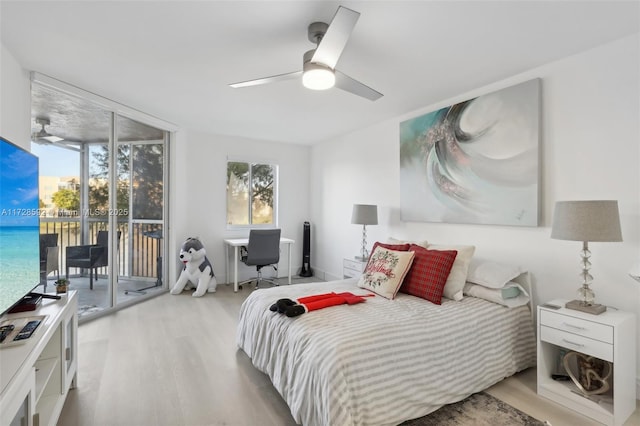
<point x="579" y="326"/>
<point x="577" y="343"/>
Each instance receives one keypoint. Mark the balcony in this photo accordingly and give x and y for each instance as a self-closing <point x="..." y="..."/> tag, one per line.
<point x="139" y="260"/>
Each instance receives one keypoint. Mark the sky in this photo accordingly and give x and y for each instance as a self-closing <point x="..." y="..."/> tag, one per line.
<point x="56" y="161"/>
<point x="18" y="187"/>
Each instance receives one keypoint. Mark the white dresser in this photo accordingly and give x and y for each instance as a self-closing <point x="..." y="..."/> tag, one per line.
<point x="610" y="336"/>
<point x="35" y="376"/>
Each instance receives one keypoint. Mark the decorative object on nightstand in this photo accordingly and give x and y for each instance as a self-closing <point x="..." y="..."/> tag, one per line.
<point x="634" y="272"/>
<point x="593" y="220"/>
<point x="364" y="214"/>
<point x="590" y="374"/>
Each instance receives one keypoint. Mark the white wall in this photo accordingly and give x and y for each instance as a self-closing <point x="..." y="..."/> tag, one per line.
<point x="198" y="194"/>
<point x="589" y="150"/>
<point x="15" y="100"/>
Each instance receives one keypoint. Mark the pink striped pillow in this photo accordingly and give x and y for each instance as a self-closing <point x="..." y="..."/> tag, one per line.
<point x="429" y="273"/>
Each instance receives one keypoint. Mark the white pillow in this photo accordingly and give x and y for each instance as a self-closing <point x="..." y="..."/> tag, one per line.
<point x="422" y="243"/>
<point x="458" y="275"/>
<point x="495" y="294"/>
<point x="492" y="274"/>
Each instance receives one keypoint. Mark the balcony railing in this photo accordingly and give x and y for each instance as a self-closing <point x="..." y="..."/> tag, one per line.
<point x="139" y="246"/>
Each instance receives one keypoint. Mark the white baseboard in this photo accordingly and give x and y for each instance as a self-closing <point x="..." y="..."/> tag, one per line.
<point x="324" y="276"/>
<point x="331" y="277"/>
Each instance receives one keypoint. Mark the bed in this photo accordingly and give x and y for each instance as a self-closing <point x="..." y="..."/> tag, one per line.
<point x="383" y="361"/>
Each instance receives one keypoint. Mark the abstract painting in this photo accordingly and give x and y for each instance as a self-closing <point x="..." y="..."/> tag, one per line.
<point x="475" y="161"/>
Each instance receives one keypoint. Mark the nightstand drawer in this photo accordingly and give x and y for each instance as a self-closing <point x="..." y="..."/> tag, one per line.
<point x="579" y="326"/>
<point x="577" y="343"/>
<point x="351" y="273"/>
<point x="354" y="264"/>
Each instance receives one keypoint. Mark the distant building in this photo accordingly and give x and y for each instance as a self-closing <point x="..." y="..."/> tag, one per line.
<point x="49" y="185"/>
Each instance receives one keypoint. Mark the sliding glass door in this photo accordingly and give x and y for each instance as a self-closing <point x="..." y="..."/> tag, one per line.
<point x="141" y="179"/>
<point x="107" y="211"/>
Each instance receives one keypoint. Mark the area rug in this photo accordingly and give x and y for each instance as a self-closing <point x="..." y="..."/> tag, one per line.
<point x="480" y="409"/>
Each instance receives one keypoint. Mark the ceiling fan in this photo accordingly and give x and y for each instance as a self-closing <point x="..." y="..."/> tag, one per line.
<point x="318" y="65"/>
<point x="43" y="136"/>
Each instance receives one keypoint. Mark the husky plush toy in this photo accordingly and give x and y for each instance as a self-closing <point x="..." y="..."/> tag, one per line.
<point x="197" y="269"/>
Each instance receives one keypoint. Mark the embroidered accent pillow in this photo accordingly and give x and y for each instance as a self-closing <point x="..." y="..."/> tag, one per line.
<point x="429" y="273"/>
<point x="385" y="271"/>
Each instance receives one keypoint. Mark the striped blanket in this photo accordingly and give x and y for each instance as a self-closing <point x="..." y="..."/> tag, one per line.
<point x="383" y="361"/>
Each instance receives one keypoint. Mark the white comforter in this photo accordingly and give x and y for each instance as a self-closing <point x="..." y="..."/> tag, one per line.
<point x="383" y="361"/>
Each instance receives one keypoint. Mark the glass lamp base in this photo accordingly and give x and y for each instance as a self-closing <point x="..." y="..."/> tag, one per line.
<point x="579" y="305"/>
<point x="361" y="258"/>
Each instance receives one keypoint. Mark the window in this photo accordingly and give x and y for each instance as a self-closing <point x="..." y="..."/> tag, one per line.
<point x="251" y="194"/>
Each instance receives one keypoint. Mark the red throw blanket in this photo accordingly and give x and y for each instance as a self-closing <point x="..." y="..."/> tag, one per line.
<point x="318" y="301"/>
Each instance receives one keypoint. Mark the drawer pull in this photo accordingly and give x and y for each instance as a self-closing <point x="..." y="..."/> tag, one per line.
<point x="573" y="343"/>
<point x="575" y="327"/>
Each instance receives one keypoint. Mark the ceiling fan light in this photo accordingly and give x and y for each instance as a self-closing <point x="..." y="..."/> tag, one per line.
<point x="318" y="78"/>
<point x="43" y="135"/>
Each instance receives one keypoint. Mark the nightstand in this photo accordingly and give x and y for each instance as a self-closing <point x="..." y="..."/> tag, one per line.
<point x="610" y="336"/>
<point x="352" y="268"/>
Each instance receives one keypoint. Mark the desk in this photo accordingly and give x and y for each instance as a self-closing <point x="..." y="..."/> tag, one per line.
<point x="236" y="243"/>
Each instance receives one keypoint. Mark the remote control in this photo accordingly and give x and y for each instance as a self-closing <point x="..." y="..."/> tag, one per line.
<point x="4" y="331"/>
<point x="27" y="330"/>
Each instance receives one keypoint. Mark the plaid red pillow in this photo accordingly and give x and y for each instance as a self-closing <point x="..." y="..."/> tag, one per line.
<point x="429" y="273"/>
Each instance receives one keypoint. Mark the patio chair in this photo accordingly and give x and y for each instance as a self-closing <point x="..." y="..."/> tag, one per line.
<point x="48" y="257"/>
<point x="91" y="256"/>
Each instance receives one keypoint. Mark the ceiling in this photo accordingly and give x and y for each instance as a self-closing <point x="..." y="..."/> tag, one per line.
<point x="78" y="120"/>
<point x="175" y="59"/>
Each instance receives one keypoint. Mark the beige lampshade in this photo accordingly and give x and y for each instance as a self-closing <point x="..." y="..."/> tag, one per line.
<point x="594" y="220"/>
<point x="364" y="214"/>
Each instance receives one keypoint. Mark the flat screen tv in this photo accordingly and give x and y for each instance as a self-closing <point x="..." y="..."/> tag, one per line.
<point x="19" y="224"/>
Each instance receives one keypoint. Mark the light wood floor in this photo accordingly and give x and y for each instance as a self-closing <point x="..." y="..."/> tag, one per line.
<point x="173" y="361"/>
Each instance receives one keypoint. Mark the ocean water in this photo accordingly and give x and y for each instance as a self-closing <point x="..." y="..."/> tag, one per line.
<point x="19" y="262"/>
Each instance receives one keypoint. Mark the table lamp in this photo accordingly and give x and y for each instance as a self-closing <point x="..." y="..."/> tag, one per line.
<point x="364" y="214"/>
<point x="595" y="221"/>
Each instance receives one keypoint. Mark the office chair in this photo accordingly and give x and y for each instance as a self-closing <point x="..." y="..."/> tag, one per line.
<point x="263" y="250"/>
<point x="48" y="257"/>
<point x="91" y="256"/>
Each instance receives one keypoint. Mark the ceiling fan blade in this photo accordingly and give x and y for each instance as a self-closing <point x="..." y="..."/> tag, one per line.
<point x="350" y="85"/>
<point x="265" y="80"/>
<point x="335" y="39"/>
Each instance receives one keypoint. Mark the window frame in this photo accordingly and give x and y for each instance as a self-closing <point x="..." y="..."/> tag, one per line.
<point x="276" y="180"/>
